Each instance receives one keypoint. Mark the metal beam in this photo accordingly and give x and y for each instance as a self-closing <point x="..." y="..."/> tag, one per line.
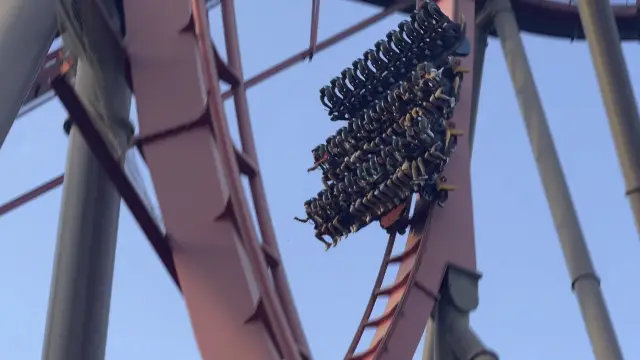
<point x="27" y="28"/>
<point x="603" y="38"/>
<point x="78" y="314"/>
<point x="584" y="281"/>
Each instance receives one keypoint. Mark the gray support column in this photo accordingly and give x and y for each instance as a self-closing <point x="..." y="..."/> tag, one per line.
<point x="603" y="38"/>
<point x="78" y="313"/>
<point x="454" y="338"/>
<point x="584" y="281"/>
<point x="441" y="348"/>
<point x="27" y="28"/>
<point x="429" y="341"/>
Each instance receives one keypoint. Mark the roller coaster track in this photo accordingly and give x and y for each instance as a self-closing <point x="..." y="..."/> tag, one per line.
<point x="235" y="308"/>
<point x="234" y="286"/>
<point x="417" y="283"/>
<point x="408" y="286"/>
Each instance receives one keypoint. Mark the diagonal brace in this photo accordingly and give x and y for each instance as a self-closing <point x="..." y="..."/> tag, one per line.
<point x="113" y="166"/>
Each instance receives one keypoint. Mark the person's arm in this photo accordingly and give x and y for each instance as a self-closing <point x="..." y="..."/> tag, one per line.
<point x="318" y="163"/>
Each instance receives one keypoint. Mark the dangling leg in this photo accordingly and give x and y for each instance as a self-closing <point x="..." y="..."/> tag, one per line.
<point x="398" y="183"/>
<point x="435" y="153"/>
<point x="372" y="201"/>
<point x="386" y="201"/>
<point x="463" y="24"/>
<point x="423" y="168"/>
<point x="443" y="190"/>
<point x="404" y="174"/>
<point x="362" y="207"/>
<point x="416" y="173"/>
<point x="320" y="238"/>
<point x="355" y="211"/>
<point x="359" y="222"/>
<point x="358" y="217"/>
<point x="393" y="194"/>
<point x="379" y="201"/>
<point x="418" y="176"/>
<point x="442" y="197"/>
<point x="335" y="175"/>
<point x="440" y="95"/>
<point x="451" y="134"/>
<point x="456" y="84"/>
<point x="325" y="182"/>
<point x="381" y="194"/>
<point x="341" y="229"/>
<point x="334" y="234"/>
<point x="335" y="240"/>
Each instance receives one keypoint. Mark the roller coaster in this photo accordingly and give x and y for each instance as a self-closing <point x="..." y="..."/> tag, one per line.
<point x="400" y="103"/>
<point x="398" y="100"/>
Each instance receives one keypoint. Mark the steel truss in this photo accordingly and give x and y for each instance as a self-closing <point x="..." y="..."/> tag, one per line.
<point x="235" y="286"/>
<point x="263" y="324"/>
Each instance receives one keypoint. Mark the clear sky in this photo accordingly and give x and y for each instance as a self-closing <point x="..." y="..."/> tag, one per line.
<point x="527" y="310"/>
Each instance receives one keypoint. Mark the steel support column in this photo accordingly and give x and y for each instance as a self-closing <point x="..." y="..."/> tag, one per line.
<point x="79" y="303"/>
<point x="584" y="281"/>
<point x="429" y="341"/>
<point x="454" y="337"/>
<point x="603" y="38"/>
<point x="78" y="314"/>
<point x="27" y="28"/>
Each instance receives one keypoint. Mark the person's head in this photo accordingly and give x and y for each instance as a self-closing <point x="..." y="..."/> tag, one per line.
<point x="317" y="153"/>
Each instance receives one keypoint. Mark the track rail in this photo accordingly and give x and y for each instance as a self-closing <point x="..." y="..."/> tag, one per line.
<point x="245" y="293"/>
<point x="429" y="250"/>
<point x="374" y="295"/>
<point x="409" y="287"/>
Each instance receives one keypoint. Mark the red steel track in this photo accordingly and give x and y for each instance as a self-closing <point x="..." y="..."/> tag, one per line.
<point x="234" y="286"/>
<point x="182" y="122"/>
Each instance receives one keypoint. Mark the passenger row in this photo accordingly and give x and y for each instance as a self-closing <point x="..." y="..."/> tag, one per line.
<point x="428" y="36"/>
<point x="378" y="161"/>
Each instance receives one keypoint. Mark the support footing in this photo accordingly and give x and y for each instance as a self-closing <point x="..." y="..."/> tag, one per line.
<point x="455" y="340"/>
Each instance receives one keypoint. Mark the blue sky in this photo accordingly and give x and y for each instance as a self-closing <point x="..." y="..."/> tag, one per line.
<point x="527" y="310"/>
